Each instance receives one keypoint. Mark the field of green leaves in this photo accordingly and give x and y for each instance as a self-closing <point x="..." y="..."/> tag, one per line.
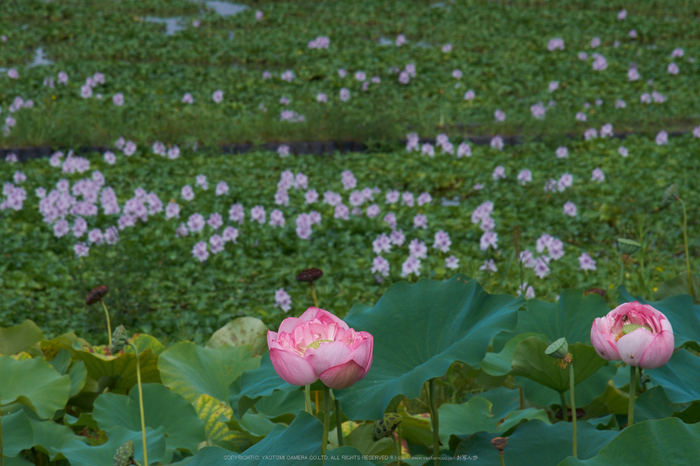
<point x="455" y="259"/>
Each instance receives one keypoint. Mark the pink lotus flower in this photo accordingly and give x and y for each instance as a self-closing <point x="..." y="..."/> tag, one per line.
<point x="634" y="333"/>
<point x="318" y="345"/>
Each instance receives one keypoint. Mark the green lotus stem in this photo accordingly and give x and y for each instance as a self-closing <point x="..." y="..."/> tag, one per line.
<point x="687" y="255"/>
<point x="622" y="271"/>
<point x="435" y="421"/>
<point x="109" y="325"/>
<point x="564" y="409"/>
<point x="2" y="447"/>
<point x="307" y="399"/>
<point x="633" y="388"/>
<point x="339" y="422"/>
<point x="143" y="419"/>
<point x="326" y="420"/>
<point x="313" y="294"/>
<point x="503" y="462"/>
<point x="573" y="404"/>
<point x="398" y="445"/>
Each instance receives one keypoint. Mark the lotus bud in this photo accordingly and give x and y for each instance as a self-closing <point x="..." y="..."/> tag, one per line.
<point x="385" y="426"/>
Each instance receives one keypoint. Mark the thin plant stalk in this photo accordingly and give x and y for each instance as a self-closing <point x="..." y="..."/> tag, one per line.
<point x="326" y="419"/>
<point x="687" y="255"/>
<point x="317" y="403"/>
<point x="307" y="399"/>
<point x="564" y="409"/>
<point x="2" y="447"/>
<point x="143" y="419"/>
<point x="633" y="388"/>
<point x="503" y="462"/>
<point x="573" y="405"/>
<point x="339" y="422"/>
<point x="398" y="445"/>
<point x="622" y="271"/>
<point x="435" y="421"/>
<point x="109" y="324"/>
<point x="313" y="294"/>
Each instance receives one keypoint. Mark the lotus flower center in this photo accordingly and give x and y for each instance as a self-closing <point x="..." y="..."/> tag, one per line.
<point x="318" y="343"/>
<point x="629" y="328"/>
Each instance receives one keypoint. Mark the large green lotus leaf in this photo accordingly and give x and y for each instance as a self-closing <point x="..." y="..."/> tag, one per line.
<point x="34" y="383"/>
<point x="499" y="364"/>
<point x="21" y="432"/>
<point x="530" y="361"/>
<point x="291" y="446"/>
<point x="281" y="403"/>
<point x="689" y="415"/>
<point x="683" y="315"/>
<point x="19" y="338"/>
<point x="302" y="437"/>
<point x="215" y="415"/>
<point x="664" y="441"/>
<point x="570" y="317"/>
<point x="121" y="367"/>
<point x="419" y="330"/>
<point x="465" y="419"/>
<point x="586" y="391"/>
<point x="80" y="454"/>
<point x="415" y="428"/>
<point x="361" y="439"/>
<point x="183" y="428"/>
<point x="255" y="426"/>
<point x="678" y="286"/>
<point x="503" y="401"/>
<point x="679" y="377"/>
<point x="654" y="404"/>
<point x="537" y="443"/>
<point x="241" y="331"/>
<point x="192" y="371"/>
<point x="76" y="371"/>
<point x="520" y="416"/>
<point x="214" y="456"/>
<point x="611" y="401"/>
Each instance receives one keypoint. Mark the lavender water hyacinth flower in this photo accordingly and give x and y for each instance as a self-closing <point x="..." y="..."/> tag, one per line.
<point x="410" y="266"/>
<point x="380" y="266"/>
<point x="662" y="138"/>
<point x="257" y="214"/>
<point x="200" y="251"/>
<point x="586" y="262"/>
<point x="442" y="241"/>
<point x="570" y="209"/>
<point x="196" y="223"/>
<point x="420" y="221"/>
<point x="488" y="240"/>
<point x="187" y="193"/>
<point x="230" y="234"/>
<point x="497" y="142"/>
<point x="524" y="177"/>
<point x="597" y="175"/>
